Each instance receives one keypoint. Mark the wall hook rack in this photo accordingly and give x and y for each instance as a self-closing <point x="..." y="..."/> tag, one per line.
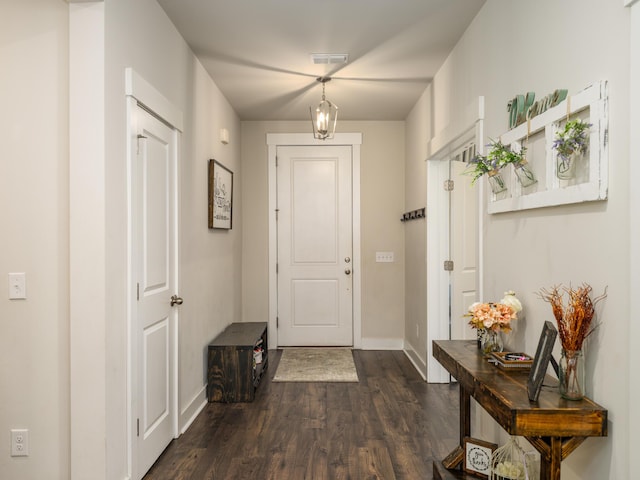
<point x="413" y="214"/>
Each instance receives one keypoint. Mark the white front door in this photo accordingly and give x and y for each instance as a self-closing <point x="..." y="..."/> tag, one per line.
<point x="464" y="250"/>
<point x="155" y="277"/>
<point x="315" y="287"/>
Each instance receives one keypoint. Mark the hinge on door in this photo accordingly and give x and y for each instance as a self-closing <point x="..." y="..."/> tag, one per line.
<point x="137" y="291"/>
<point x="448" y="185"/>
<point x="277" y="268"/>
<point x="448" y="265"/>
<point x="276" y="162"/>
<point x="137" y="427"/>
<point x="277" y="211"/>
<point x="277" y="322"/>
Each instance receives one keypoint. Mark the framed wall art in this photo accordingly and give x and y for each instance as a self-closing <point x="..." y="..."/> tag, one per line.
<point x="541" y="360"/>
<point x="477" y="457"/>
<point x="220" y="196"/>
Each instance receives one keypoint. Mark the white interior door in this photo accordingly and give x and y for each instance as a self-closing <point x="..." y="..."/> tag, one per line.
<point x="315" y="287"/>
<point x="155" y="277"/>
<point x="464" y="250"/>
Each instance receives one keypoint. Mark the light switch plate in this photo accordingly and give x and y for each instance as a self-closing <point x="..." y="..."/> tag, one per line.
<point x="384" y="257"/>
<point x="17" y="286"/>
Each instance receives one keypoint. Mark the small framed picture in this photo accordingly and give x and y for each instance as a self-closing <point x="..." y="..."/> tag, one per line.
<point x="541" y="360"/>
<point x="477" y="457"/>
<point x="220" y="195"/>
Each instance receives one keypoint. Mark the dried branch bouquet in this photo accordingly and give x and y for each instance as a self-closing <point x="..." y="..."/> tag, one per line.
<point x="575" y="320"/>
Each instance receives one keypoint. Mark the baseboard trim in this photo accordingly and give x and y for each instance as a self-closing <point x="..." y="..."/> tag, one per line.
<point x="382" y="344"/>
<point x="193" y="409"/>
<point x="419" y="364"/>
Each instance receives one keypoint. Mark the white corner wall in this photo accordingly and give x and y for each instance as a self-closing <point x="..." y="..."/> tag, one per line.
<point x="418" y="132"/>
<point x="634" y="222"/>
<point x="515" y="47"/>
<point x="87" y="238"/>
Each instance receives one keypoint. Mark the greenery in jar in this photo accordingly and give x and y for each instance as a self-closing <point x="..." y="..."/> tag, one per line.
<point x="572" y="139"/>
<point x="499" y="156"/>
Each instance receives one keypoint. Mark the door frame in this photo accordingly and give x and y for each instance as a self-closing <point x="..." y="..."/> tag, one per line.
<point x="441" y="148"/>
<point x="354" y="140"/>
<point x="140" y="93"/>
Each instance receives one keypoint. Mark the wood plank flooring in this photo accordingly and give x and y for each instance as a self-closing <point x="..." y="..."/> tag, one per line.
<point x="390" y="425"/>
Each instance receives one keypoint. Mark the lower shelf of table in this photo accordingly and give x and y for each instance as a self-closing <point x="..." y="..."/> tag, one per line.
<point x="441" y="473"/>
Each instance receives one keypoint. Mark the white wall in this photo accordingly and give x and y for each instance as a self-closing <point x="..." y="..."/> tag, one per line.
<point x="34" y="201"/>
<point x="139" y="35"/>
<point x="514" y="47"/>
<point x="382" y="200"/>
<point x="41" y="391"/>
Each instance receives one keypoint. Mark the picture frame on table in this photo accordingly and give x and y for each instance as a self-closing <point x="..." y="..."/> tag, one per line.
<point x="477" y="457"/>
<point x="220" y="196"/>
<point x="541" y="360"/>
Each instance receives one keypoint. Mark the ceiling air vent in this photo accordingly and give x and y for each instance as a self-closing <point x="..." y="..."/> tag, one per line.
<point x="329" y="58"/>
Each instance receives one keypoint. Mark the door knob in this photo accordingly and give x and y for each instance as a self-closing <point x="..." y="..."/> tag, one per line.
<point x="176" y="300"/>
<point x="347" y="271"/>
<point x="347" y="259"/>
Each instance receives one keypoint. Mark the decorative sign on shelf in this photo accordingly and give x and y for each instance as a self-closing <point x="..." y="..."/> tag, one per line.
<point x="522" y="107"/>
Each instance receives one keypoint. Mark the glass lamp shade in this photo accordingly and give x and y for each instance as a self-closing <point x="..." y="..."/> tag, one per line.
<point x="323" y="119"/>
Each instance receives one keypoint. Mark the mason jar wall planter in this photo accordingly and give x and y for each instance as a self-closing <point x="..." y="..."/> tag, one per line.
<point x="496" y="182"/>
<point x="566" y="166"/>
<point x="525" y="176"/>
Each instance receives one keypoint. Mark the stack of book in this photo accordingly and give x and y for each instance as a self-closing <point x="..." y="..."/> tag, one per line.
<point x="511" y="360"/>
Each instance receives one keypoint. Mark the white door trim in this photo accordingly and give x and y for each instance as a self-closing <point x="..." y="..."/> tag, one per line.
<point x="440" y="149"/>
<point x="290" y="139"/>
<point x="140" y="92"/>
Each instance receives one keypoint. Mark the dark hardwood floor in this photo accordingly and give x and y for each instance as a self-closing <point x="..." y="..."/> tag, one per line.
<point x="390" y="425"/>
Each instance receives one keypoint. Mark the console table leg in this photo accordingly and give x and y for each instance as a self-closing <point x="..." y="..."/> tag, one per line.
<point x="456" y="457"/>
<point x="550" y="465"/>
<point x="465" y="414"/>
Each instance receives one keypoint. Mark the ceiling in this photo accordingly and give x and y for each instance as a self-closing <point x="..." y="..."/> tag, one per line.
<point x="258" y="52"/>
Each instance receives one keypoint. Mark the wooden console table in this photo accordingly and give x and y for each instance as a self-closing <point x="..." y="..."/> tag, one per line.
<point x="554" y="426"/>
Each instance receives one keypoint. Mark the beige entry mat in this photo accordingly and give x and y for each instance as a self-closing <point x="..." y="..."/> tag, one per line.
<point x="316" y="365"/>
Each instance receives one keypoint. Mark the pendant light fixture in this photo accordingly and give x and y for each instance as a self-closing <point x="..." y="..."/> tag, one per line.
<point x="324" y="116"/>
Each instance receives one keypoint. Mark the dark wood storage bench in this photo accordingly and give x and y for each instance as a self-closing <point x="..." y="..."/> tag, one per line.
<point x="554" y="426"/>
<point x="232" y="374"/>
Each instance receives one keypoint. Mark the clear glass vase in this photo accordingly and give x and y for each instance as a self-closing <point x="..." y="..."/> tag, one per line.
<point x="525" y="176"/>
<point x="571" y="373"/>
<point x="496" y="182"/>
<point x="491" y="342"/>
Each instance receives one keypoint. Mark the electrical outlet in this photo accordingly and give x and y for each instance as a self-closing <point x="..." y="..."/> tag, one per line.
<point x="19" y="442"/>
